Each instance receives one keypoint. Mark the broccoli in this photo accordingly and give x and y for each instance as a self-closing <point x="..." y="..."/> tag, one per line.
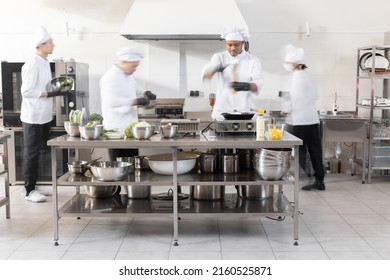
<point x="95" y="117"/>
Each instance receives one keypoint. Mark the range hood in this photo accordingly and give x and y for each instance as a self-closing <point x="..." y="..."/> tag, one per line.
<point x="180" y="19"/>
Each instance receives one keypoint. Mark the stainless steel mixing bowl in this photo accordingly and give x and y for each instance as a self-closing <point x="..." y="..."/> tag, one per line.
<point x="110" y="170"/>
<point x="72" y="128"/>
<point x="143" y="132"/>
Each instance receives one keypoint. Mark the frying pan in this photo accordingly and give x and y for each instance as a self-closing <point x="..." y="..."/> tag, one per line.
<point x="238" y="116"/>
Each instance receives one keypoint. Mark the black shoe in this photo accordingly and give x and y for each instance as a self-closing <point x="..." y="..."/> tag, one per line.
<point x="315" y="186"/>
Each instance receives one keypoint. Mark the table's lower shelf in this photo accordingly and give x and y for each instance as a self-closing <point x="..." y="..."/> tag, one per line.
<point x="83" y="205"/>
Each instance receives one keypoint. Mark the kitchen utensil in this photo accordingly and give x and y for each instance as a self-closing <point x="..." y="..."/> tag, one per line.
<point x="208" y="162"/>
<point x="141" y="162"/>
<point x="238" y="116"/>
<point x="110" y="170"/>
<point x="91" y="133"/>
<point x="257" y="192"/>
<point x="169" y="131"/>
<point x="77" y="167"/>
<point x="272" y="164"/>
<point x="62" y="83"/>
<point x="72" y="128"/>
<point x="115" y="135"/>
<point x="380" y="62"/>
<point x="163" y="163"/>
<point x="365" y="57"/>
<point x="245" y="158"/>
<point x="230" y="163"/>
<point x="138" y="192"/>
<point x="143" y="132"/>
<point x="130" y="160"/>
<point x="101" y="191"/>
<point x="207" y="192"/>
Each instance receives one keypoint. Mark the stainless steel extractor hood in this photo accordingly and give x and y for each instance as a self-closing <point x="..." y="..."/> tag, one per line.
<point x="180" y="19"/>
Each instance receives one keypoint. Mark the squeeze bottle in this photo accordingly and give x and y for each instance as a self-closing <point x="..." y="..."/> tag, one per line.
<point x="83" y="119"/>
<point x="260" y="125"/>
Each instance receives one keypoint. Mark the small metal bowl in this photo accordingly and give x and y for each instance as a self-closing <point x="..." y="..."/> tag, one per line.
<point x="168" y="131"/>
<point x="72" y="128"/>
<point x="91" y="133"/>
<point x="143" y="132"/>
<point x="77" y="167"/>
<point x="110" y="170"/>
<point x="62" y="84"/>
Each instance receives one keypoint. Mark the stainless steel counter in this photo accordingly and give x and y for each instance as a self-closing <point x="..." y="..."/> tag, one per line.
<point x="202" y="141"/>
<point x="5" y="200"/>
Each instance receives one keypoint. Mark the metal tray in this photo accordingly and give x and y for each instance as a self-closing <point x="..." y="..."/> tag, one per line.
<point x="238" y="116"/>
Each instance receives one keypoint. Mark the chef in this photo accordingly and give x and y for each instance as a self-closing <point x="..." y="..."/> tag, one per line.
<point x="121" y="95"/>
<point x="239" y="74"/>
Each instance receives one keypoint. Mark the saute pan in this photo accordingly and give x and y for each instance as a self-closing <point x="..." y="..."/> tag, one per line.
<point x="238" y="116"/>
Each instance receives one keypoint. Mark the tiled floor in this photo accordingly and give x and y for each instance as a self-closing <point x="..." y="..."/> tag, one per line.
<point x="349" y="221"/>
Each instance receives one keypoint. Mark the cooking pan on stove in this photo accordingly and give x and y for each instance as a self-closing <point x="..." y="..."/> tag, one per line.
<point x="238" y="115"/>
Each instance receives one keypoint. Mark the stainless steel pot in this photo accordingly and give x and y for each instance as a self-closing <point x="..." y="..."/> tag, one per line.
<point x="245" y="158"/>
<point x="207" y="192"/>
<point x="257" y="192"/>
<point x="141" y="162"/>
<point x="208" y="162"/>
<point x="100" y="191"/>
<point x="138" y="191"/>
<point x="130" y="160"/>
<point x="230" y="163"/>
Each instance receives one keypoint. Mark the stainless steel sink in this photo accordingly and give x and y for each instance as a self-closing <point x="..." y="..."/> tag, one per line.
<point x="339" y="115"/>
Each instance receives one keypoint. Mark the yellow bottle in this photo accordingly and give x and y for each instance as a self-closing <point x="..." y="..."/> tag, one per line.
<point x="260" y="125"/>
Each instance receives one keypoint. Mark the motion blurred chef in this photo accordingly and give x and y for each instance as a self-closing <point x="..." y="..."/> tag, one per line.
<point x="239" y="73"/>
<point x="121" y="94"/>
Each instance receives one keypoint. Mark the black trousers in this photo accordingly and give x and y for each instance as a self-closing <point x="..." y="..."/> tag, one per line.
<point x="35" y="137"/>
<point x="310" y="136"/>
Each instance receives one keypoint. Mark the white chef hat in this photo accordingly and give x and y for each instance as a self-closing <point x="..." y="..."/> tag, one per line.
<point x="40" y="36"/>
<point x="293" y="54"/>
<point x="129" y="54"/>
<point x="235" y="34"/>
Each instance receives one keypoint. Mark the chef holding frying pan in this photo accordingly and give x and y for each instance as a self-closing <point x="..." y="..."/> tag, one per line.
<point x="239" y="74"/>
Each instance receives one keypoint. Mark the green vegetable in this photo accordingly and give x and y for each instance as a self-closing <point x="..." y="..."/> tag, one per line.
<point x="142" y="124"/>
<point x="128" y="132"/>
<point x="95" y="117"/>
<point x="75" y="116"/>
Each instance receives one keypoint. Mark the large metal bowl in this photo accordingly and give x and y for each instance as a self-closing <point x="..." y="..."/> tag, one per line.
<point x="272" y="164"/>
<point x="110" y="170"/>
<point x="143" y="132"/>
<point x="72" y="128"/>
<point x="163" y="163"/>
<point x="62" y="84"/>
<point x="101" y="191"/>
<point x="91" y="133"/>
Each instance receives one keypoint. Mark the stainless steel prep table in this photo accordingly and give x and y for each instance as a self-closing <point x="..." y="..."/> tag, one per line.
<point x="202" y="142"/>
<point x="5" y="200"/>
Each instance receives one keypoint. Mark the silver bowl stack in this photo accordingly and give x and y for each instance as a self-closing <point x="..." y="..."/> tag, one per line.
<point x="272" y="164"/>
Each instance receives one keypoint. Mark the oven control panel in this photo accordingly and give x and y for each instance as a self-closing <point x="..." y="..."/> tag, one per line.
<point x="169" y="111"/>
<point x="235" y="126"/>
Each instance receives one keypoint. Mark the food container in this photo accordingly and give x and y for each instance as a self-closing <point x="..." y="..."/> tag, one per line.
<point x="141" y="162"/>
<point x="272" y="164"/>
<point x="72" y="128"/>
<point x="163" y="163"/>
<point x="245" y="158"/>
<point x="257" y="192"/>
<point x="100" y="191"/>
<point x="138" y="192"/>
<point x="207" y="192"/>
<point x="91" y="133"/>
<point x="143" y="132"/>
<point x="275" y="131"/>
<point x="208" y="162"/>
<point x="77" y="167"/>
<point x="230" y="163"/>
<point x="168" y="131"/>
<point x="110" y="170"/>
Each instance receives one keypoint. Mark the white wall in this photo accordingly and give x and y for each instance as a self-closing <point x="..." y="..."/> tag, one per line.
<point x="172" y="69"/>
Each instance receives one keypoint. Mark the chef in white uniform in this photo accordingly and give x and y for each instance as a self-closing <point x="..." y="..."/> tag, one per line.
<point x="302" y="118"/>
<point x="121" y="95"/>
<point x="36" y="110"/>
<point x="239" y="74"/>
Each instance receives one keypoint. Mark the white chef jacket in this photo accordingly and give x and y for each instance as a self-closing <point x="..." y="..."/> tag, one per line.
<point x="118" y="92"/>
<point x="36" y="77"/>
<point x="303" y="95"/>
<point x="248" y="70"/>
